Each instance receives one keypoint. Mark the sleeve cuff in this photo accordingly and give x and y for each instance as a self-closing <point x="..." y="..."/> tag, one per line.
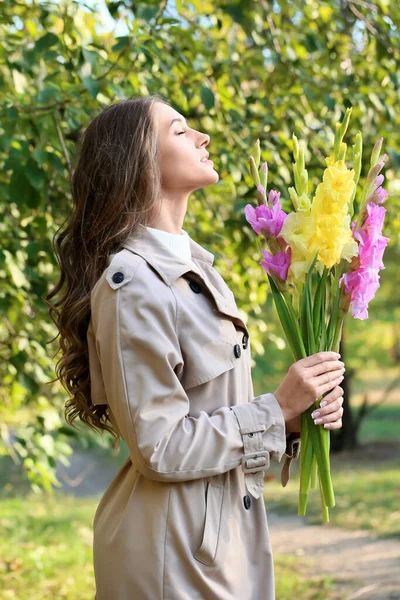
<point x="263" y="431"/>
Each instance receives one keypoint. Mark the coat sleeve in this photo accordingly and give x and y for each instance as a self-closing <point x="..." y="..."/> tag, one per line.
<point x="138" y="346"/>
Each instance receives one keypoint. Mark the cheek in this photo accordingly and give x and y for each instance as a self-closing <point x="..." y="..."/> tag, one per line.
<point x="175" y="160"/>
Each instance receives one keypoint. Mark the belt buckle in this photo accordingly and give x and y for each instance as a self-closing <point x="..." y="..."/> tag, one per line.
<point x="254" y="456"/>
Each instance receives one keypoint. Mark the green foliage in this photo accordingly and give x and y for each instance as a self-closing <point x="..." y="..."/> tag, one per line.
<point x="239" y="71"/>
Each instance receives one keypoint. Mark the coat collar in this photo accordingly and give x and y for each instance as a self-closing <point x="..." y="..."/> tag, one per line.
<point x="170" y="266"/>
<point x="161" y="257"/>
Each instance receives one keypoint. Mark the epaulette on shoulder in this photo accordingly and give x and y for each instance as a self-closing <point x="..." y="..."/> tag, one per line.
<point x="122" y="268"/>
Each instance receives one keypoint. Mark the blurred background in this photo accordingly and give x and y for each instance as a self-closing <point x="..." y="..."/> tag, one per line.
<point x="238" y="70"/>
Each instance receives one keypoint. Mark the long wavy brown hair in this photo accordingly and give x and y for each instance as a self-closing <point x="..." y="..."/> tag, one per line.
<point x="115" y="185"/>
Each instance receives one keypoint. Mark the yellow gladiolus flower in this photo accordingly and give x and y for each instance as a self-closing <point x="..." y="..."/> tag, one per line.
<point x="297" y="229"/>
<point x="331" y="235"/>
<point x="323" y="225"/>
<point x="339" y="180"/>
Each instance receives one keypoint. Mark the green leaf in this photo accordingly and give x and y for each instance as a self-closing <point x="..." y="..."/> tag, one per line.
<point x="91" y="85"/>
<point x="21" y="191"/>
<point x="303" y="319"/>
<point x="12" y="113"/>
<point x="46" y="41"/>
<point x="317" y="302"/>
<point x="56" y="162"/>
<point x="286" y="321"/>
<point x="307" y="295"/>
<point x="90" y="56"/>
<point x="15" y="271"/>
<point x="34" y="174"/>
<point x="207" y="97"/>
<point x="329" y="102"/>
<point x="147" y="12"/>
<point x="122" y="42"/>
<point x="40" y="156"/>
<point x="310" y="325"/>
<point x="48" y="94"/>
<point x="323" y="336"/>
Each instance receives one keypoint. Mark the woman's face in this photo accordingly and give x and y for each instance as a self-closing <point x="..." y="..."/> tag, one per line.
<point x="181" y="151"/>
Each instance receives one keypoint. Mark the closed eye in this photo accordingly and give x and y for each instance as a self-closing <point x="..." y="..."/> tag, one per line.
<point x="180" y="133"/>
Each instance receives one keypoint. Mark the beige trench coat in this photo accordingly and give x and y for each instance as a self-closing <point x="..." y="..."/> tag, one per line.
<point x="184" y="517"/>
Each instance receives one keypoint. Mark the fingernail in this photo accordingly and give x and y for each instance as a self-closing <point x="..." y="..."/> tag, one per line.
<point x="318" y="421"/>
<point x="323" y="403"/>
<point x="315" y="414"/>
<point x="327" y="425"/>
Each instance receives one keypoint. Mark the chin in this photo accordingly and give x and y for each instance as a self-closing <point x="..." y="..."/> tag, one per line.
<point x="216" y="177"/>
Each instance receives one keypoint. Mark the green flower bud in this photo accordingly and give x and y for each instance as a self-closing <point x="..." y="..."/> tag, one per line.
<point x="254" y="171"/>
<point x="257" y="153"/>
<point x="304" y="203"/>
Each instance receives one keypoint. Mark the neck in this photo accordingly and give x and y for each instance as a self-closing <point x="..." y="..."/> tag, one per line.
<point x="179" y="243"/>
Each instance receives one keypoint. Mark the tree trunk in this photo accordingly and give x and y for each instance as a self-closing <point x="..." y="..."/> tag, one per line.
<point x="345" y="438"/>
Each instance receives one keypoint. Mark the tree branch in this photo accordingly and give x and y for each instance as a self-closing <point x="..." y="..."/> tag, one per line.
<point x="62" y="143"/>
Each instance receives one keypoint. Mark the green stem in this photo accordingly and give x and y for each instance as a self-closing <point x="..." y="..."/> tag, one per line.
<point x="324" y="508"/>
<point x="318" y="438"/>
<point x="314" y="473"/>
<point x="306" y="457"/>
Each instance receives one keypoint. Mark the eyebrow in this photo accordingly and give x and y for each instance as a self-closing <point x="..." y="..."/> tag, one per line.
<point x="176" y="119"/>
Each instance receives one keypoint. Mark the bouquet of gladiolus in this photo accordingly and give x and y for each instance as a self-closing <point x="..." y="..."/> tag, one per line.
<point x="319" y="263"/>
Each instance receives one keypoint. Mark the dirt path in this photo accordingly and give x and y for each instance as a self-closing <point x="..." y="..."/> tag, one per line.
<point x="363" y="565"/>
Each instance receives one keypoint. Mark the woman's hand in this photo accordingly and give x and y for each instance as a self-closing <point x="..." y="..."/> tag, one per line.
<point x="306" y="380"/>
<point x="331" y="414"/>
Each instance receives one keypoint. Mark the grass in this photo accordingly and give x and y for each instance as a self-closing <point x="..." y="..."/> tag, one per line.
<point x="295" y="578"/>
<point x="367" y="493"/>
<point x="382" y="424"/>
<point x="46" y="548"/>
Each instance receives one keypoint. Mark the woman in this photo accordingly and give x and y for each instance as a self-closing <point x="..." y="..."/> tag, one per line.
<point x="156" y="352"/>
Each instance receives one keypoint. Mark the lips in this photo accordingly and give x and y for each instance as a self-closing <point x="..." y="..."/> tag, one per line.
<point x="205" y="157"/>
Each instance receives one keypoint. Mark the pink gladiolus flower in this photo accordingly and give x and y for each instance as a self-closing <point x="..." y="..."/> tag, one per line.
<point x="264" y="217"/>
<point x="363" y="283"/>
<point x="374" y="222"/>
<point x="370" y="252"/>
<point x="276" y="263"/>
<point x="378" y="196"/>
<point x="273" y="197"/>
<point x="379" y="180"/>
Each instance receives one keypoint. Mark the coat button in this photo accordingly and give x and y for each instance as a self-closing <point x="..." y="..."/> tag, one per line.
<point x="118" y="277"/>
<point x="196" y="287"/>
<point x="245" y="340"/>
<point x="237" y="350"/>
<point x="246" y="502"/>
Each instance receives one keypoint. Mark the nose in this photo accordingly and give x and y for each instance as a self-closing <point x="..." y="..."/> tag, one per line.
<point x="206" y="141"/>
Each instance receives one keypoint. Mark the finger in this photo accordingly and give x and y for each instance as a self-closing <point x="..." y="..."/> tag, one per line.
<point x="329" y="409"/>
<point x="325" y="367"/>
<point x="329" y="418"/>
<point x="319" y="357"/>
<point x="329" y="385"/>
<point x="327" y="378"/>
<point x="335" y="425"/>
<point x="331" y="397"/>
